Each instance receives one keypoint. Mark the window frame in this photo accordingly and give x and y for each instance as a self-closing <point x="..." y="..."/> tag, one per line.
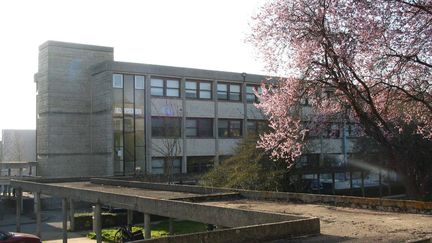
<point x="166" y="128"/>
<point x="254" y="86"/>
<point x="165" y="87"/>
<point x="199" y="89"/>
<point x="229" y="92"/>
<point x="230" y="128"/>
<point x="199" y="131"/>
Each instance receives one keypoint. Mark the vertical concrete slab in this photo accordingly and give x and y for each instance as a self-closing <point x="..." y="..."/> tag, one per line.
<point x="98" y="222"/>
<point x="65" y="218"/>
<point x="18" y="209"/>
<point x="171" y="226"/>
<point x="37" y="202"/>
<point x="147" y="226"/>
<point x="71" y="215"/>
<point x="129" y="217"/>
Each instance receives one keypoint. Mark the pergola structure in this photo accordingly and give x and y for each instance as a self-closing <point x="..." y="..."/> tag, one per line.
<point x="172" y="201"/>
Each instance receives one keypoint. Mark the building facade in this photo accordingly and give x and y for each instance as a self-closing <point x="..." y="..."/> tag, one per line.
<point x="18" y="145"/>
<point x="97" y="116"/>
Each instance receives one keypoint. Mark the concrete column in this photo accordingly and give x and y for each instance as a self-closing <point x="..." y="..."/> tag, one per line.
<point x="147" y="227"/>
<point x="18" y="209"/>
<point x="171" y="226"/>
<point x="183" y="126"/>
<point x="37" y="208"/>
<point x="65" y="218"/>
<point x="129" y="217"/>
<point x="216" y="120"/>
<point x="71" y="215"/>
<point x="97" y="222"/>
<point x="147" y="117"/>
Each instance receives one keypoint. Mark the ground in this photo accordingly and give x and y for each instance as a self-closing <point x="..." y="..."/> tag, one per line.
<point x="348" y="224"/>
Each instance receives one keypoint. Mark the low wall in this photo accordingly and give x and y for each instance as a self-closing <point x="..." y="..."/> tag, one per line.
<point x="248" y="234"/>
<point x="392" y="205"/>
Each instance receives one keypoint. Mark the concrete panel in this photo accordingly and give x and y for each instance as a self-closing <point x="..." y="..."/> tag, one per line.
<point x="233" y="110"/>
<point x="254" y="113"/>
<point x="166" y="107"/>
<point x="73" y="165"/>
<point x="197" y="108"/>
<point x="227" y="146"/>
<point x="200" y="147"/>
<point x="160" y="146"/>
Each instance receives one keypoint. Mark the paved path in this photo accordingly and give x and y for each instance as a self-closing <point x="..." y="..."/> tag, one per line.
<point x="51" y="227"/>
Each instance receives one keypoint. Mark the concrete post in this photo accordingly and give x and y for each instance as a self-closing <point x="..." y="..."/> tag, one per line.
<point x="171" y="226"/>
<point x="18" y="209"/>
<point x="37" y="208"/>
<point x="65" y="218"/>
<point x="98" y="222"/>
<point x="147" y="227"/>
<point x="129" y="217"/>
<point x="71" y="215"/>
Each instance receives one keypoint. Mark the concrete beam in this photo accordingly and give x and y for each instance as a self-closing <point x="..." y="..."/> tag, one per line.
<point x="227" y="217"/>
<point x="72" y="214"/>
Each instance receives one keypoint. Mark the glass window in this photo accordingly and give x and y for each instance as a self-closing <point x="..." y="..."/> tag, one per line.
<point x="199" y="127"/>
<point x="191" y="128"/>
<point x="191" y="89"/>
<point x="117" y="81"/>
<point x="197" y="164"/>
<point x="223" y="126"/>
<point x="157" y="166"/>
<point x="234" y="92"/>
<point x="205" y="91"/>
<point x="139" y="82"/>
<point x="222" y="91"/>
<point x="166" y="126"/>
<point x="176" y="166"/>
<point x="250" y="96"/>
<point x="256" y="126"/>
<point x="173" y="88"/>
<point x="157" y="87"/>
<point x="230" y="128"/>
<point x="128" y="90"/>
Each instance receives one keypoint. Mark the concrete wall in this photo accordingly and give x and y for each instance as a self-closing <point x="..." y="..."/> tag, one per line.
<point x="18" y="145"/>
<point x="64" y="107"/>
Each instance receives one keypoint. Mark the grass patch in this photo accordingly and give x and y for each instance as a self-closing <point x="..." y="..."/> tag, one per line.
<point x="158" y="230"/>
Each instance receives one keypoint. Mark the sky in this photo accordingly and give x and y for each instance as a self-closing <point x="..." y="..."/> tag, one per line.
<point x="207" y="34"/>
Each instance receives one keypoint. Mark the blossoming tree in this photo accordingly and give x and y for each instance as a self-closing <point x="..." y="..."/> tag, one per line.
<point x="362" y="60"/>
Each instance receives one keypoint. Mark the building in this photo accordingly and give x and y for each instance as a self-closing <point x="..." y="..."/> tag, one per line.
<point x="18" y="145"/>
<point x="97" y="116"/>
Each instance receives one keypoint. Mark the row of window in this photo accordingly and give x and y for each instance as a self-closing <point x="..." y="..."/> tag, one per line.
<point x="195" y="164"/>
<point x="194" y="89"/>
<point x="203" y="127"/>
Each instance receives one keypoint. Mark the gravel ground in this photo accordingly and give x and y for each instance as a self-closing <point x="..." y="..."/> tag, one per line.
<point x="340" y="224"/>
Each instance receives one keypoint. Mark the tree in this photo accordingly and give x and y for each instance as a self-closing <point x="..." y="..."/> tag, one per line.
<point x="249" y="168"/>
<point x="365" y="61"/>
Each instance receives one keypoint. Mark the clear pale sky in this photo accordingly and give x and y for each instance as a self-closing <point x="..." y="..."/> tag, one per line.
<point x="188" y="33"/>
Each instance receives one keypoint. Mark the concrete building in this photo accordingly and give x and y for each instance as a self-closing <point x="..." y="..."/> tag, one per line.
<point x="18" y="145"/>
<point x="97" y="116"/>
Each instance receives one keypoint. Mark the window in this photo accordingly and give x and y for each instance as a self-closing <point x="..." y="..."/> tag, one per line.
<point x="250" y="95"/>
<point x="199" y="127"/>
<point x="159" y="166"/>
<point x="197" y="164"/>
<point x="165" y="87"/>
<point x="117" y="81"/>
<point x="226" y="91"/>
<point x="139" y="82"/>
<point x="166" y="126"/>
<point x="229" y="128"/>
<point x="198" y="90"/>
<point x="256" y="126"/>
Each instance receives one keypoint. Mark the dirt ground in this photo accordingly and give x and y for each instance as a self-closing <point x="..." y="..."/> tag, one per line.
<point x="340" y="224"/>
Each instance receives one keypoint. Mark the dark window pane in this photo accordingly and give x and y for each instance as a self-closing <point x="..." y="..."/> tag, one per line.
<point x="205" y="128"/>
<point x="191" y="128"/>
<point x="197" y="164"/>
<point x="223" y="128"/>
<point x="157" y="166"/>
<point x="157" y="127"/>
<point x="118" y="102"/>
<point x="235" y="128"/>
<point x="139" y="132"/>
<point x="128" y="89"/>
